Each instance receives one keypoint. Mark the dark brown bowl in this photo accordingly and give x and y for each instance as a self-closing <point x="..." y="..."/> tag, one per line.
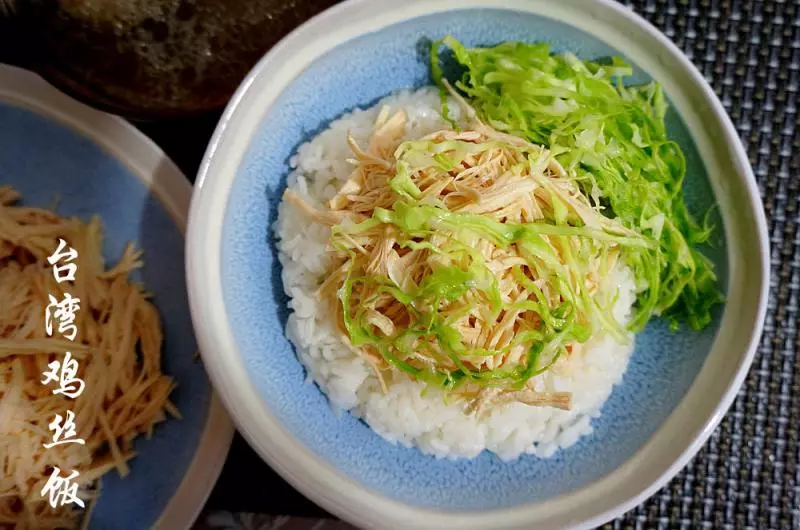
<point x="148" y="59"/>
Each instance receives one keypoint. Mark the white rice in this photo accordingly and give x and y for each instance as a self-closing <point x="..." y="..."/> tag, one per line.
<point x="402" y="415"/>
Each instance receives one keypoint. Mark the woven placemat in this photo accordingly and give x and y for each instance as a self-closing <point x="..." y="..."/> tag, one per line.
<point x="747" y="475"/>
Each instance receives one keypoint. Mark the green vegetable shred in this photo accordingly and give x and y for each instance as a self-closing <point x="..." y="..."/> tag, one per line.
<point x="612" y="141"/>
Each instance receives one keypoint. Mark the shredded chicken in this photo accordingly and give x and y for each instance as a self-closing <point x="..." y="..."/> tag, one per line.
<point x="497" y="179"/>
<point x="494" y="397"/>
<point x="118" y="348"/>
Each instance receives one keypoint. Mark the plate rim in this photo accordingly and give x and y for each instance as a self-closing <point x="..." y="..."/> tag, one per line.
<point x="148" y="162"/>
<point x="330" y="487"/>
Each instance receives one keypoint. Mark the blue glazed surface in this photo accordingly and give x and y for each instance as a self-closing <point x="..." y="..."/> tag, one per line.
<point x="49" y="164"/>
<point x="354" y="75"/>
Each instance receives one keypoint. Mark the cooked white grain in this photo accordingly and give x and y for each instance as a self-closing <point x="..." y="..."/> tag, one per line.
<point x="402" y="415"/>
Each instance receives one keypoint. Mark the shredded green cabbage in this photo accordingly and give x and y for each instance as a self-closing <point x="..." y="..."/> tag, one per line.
<point x="613" y="141"/>
<point x="562" y="260"/>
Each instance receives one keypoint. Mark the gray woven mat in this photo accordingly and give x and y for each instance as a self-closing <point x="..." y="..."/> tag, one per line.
<point x="747" y="476"/>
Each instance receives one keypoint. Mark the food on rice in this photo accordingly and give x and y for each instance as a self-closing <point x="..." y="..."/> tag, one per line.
<point x="457" y="286"/>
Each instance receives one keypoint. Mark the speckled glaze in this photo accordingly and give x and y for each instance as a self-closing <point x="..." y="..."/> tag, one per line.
<point x="258" y="135"/>
<point x="53" y="165"/>
<point x="663" y="365"/>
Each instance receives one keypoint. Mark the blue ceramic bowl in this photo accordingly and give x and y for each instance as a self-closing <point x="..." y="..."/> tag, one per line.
<point x="59" y="153"/>
<point x="677" y="387"/>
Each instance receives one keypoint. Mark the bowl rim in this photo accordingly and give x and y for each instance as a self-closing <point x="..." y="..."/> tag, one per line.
<point x="688" y="426"/>
<point x="153" y="168"/>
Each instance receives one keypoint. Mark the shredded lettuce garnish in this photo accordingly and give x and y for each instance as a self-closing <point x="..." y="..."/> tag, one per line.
<point x="612" y="141"/>
<point x="558" y="255"/>
<point x="475" y="259"/>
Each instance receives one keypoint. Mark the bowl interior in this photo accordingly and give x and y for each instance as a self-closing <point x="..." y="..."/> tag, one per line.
<point x="352" y="75"/>
<point x="54" y="167"/>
